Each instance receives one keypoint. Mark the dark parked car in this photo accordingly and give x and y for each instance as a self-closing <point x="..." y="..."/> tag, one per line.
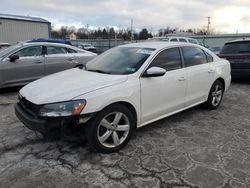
<point x="237" y="52"/>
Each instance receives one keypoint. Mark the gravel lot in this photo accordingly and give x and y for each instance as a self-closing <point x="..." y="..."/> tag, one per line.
<point x="196" y="148"/>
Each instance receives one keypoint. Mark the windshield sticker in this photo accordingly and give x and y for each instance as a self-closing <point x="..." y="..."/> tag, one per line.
<point x="130" y="69"/>
<point x="144" y="51"/>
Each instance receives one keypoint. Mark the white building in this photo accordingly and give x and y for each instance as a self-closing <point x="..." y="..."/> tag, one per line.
<point x="15" y="28"/>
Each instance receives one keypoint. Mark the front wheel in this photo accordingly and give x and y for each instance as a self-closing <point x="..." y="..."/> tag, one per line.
<point x="215" y="95"/>
<point x="111" y="129"/>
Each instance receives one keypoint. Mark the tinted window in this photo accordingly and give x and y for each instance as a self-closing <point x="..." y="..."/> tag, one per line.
<point x="169" y="59"/>
<point x="209" y="57"/>
<point x="193" y="56"/>
<point x="236" y="47"/>
<point x="30" y="51"/>
<point x="182" y="40"/>
<point x="174" y="39"/>
<point x="56" y="50"/>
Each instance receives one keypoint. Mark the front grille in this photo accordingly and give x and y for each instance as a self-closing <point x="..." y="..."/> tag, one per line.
<point x="29" y="107"/>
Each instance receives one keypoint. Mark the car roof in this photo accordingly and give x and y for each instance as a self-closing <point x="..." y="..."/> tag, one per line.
<point x="238" y="40"/>
<point x="158" y="44"/>
<point x="45" y="43"/>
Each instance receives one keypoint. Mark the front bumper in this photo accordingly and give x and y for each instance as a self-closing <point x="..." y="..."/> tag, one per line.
<point x="46" y="125"/>
<point x="34" y="123"/>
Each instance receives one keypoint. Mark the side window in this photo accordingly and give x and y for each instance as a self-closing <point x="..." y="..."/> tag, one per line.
<point x="69" y="50"/>
<point x="193" y="41"/>
<point x="193" y="56"/>
<point x="30" y="51"/>
<point x="169" y="59"/>
<point x="182" y="40"/>
<point x="209" y="57"/>
<point x="56" y="50"/>
<point x="174" y="40"/>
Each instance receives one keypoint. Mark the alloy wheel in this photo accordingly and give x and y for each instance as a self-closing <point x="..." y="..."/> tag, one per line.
<point x="217" y="95"/>
<point x="113" y="129"/>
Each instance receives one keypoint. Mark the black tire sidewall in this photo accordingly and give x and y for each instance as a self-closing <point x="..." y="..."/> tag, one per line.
<point x="92" y="126"/>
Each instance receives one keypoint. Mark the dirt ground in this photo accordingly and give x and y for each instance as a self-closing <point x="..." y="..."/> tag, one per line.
<point x="196" y="148"/>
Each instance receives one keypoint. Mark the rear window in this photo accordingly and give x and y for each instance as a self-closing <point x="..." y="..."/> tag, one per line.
<point x="236" y="47"/>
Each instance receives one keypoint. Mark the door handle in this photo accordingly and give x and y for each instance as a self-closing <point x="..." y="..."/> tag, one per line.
<point x="70" y="59"/>
<point x="37" y="62"/>
<point x="181" y="79"/>
<point x="211" y="71"/>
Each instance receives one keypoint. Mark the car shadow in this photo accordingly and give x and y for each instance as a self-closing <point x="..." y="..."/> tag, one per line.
<point x="10" y="90"/>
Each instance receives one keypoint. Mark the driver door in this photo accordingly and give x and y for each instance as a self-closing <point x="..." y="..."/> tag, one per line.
<point x="164" y="94"/>
<point x="29" y="66"/>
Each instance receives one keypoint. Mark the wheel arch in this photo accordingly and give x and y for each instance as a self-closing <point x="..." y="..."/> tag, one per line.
<point x="127" y="105"/>
<point x="222" y="81"/>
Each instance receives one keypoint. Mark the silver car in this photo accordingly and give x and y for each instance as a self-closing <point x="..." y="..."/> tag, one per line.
<point x="25" y="62"/>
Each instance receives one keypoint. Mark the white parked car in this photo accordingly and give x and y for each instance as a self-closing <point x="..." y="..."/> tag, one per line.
<point x="125" y="88"/>
<point x="175" y="39"/>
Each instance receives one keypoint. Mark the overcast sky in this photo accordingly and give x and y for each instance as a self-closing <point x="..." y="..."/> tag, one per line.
<point x="227" y="16"/>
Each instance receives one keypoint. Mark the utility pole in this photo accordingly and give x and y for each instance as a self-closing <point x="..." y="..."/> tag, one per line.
<point x="87" y="30"/>
<point x="208" y="23"/>
<point x="131" y="29"/>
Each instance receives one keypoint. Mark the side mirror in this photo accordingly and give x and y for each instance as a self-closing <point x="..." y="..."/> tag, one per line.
<point x="14" y="57"/>
<point x="154" y="72"/>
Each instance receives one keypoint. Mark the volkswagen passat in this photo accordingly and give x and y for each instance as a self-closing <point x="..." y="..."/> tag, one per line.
<point x="125" y="88"/>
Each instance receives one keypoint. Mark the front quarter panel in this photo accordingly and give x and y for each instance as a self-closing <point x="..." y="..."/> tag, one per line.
<point x="128" y="91"/>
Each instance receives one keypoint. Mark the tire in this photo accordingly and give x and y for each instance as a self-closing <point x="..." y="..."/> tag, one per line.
<point x="215" y="95"/>
<point x="107" y="132"/>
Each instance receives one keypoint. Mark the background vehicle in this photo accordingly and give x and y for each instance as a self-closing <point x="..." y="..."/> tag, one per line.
<point x="4" y="45"/>
<point x="175" y="39"/>
<point x="216" y="49"/>
<point x="237" y="52"/>
<point x="124" y="88"/>
<point x="50" y="40"/>
<point x="86" y="46"/>
<point x="25" y="62"/>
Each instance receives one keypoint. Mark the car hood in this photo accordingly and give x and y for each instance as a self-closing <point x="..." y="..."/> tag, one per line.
<point x="66" y="85"/>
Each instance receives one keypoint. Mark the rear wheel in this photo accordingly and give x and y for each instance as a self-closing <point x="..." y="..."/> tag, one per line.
<point x="111" y="129"/>
<point x="215" y="95"/>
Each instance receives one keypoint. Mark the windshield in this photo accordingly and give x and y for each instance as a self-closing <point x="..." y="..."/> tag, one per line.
<point x="236" y="47"/>
<point x="8" y="50"/>
<point x="120" y="60"/>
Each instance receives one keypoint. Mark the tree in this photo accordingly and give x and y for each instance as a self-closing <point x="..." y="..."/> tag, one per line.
<point x="111" y="33"/>
<point x="143" y="35"/>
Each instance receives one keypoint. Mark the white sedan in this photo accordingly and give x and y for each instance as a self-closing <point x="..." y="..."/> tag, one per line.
<point x="125" y="88"/>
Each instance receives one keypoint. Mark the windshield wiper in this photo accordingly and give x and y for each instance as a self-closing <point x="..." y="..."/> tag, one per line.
<point x="99" y="71"/>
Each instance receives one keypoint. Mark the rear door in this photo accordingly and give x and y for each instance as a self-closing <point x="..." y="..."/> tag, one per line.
<point x="200" y="74"/>
<point x="57" y="59"/>
<point x="29" y="66"/>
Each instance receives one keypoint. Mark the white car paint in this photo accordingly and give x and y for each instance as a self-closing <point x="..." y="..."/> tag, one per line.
<point x="153" y="98"/>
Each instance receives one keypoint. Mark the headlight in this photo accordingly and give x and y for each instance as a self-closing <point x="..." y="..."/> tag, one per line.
<point x="63" y="109"/>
